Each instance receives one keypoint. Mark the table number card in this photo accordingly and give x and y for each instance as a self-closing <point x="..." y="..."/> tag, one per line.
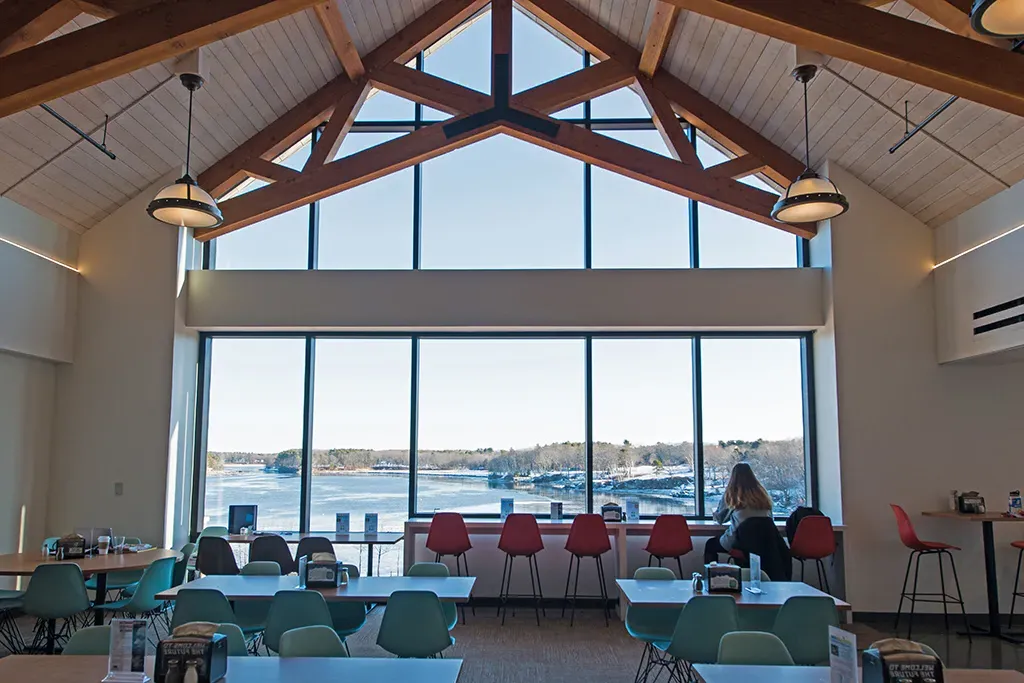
<point x="754" y="585"/>
<point x="632" y="510"/>
<point x="370" y="524"/>
<point x="842" y="659"/>
<point x="127" y="660"/>
<point x="341" y="522"/>
<point x="507" y="506"/>
<point x="556" y="511"/>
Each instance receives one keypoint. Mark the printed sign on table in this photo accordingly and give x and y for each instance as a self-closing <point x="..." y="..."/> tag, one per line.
<point x="842" y="656"/>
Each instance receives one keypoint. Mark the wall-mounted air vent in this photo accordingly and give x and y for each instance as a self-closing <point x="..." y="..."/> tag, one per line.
<point x="1002" y="322"/>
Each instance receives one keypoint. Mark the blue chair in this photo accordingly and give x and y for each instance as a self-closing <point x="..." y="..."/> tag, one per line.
<point x="251" y="615"/>
<point x="93" y="640"/>
<point x="347" y="617"/>
<point x="753" y="648"/>
<point x="143" y="602"/>
<point x="10" y="634"/>
<point x="702" y="623"/>
<point x="201" y="604"/>
<point x="312" y="641"/>
<point x="651" y="624"/>
<point x="294" y="609"/>
<point x="414" y="625"/>
<point x="56" y="591"/>
<point x="237" y="646"/>
<point x="802" y="624"/>
<point x="756" y="619"/>
<point x="437" y="569"/>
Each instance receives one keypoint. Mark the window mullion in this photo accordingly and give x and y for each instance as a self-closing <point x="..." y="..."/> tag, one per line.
<point x="698" y="429"/>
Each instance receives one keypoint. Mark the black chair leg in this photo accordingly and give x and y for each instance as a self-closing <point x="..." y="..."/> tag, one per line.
<point x="575" y="592"/>
<point x="960" y="597"/>
<point x="465" y="563"/>
<point x="51" y="635"/>
<point x="824" y="575"/>
<point x="903" y="591"/>
<point x="508" y="589"/>
<point x="679" y="561"/>
<point x="942" y="587"/>
<point x="604" y="589"/>
<point x="540" y="589"/>
<point x="913" y="596"/>
<point x="1016" y="584"/>
<point x="533" y="588"/>
<point x="502" y="592"/>
<point x="568" y="578"/>
<point x="650" y="558"/>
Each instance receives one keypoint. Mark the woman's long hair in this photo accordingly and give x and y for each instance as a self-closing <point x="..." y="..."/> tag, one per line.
<point x="744" y="491"/>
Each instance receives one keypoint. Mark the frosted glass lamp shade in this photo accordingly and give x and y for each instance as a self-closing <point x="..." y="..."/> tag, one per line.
<point x="809" y="199"/>
<point x="186" y="205"/>
<point x="1000" y="18"/>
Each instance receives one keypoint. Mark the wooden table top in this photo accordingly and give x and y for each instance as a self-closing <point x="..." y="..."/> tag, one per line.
<point x="718" y="673"/>
<point x="353" y="538"/>
<point x="363" y="589"/>
<point x="24" y="564"/>
<point x="653" y="593"/>
<point x="983" y="517"/>
<point x="85" y="669"/>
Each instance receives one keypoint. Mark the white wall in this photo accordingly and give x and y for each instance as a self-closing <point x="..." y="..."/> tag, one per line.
<point x="114" y="406"/>
<point x="778" y="299"/>
<point x="908" y="429"/>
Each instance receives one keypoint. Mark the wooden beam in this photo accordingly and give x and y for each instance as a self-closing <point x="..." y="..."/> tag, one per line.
<point x="275" y="138"/>
<point x="667" y="124"/>
<point x="884" y="42"/>
<point x="24" y="23"/>
<point x="343" y="174"/>
<point x="105" y="9"/>
<point x="658" y="36"/>
<point x="424" y="31"/>
<point x="727" y="130"/>
<point x="579" y="86"/>
<point x="269" y="171"/>
<point x="660" y="171"/>
<point x="501" y="50"/>
<point x="429" y="90"/>
<point x="340" y="39"/>
<point x="345" y="111"/>
<point x="125" y="43"/>
<point x="583" y="31"/>
<point x="740" y="167"/>
<point x="947" y="14"/>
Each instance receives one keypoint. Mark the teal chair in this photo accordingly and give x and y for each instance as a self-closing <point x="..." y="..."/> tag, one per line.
<point x="802" y="624"/>
<point x="414" y="625"/>
<point x="651" y="624"/>
<point x="93" y="640"/>
<point x="214" y="531"/>
<point x="753" y="648"/>
<point x="143" y="602"/>
<point x="181" y="566"/>
<point x="312" y="641"/>
<point x="294" y="609"/>
<point x="10" y="634"/>
<point x="251" y="615"/>
<point x="701" y="625"/>
<point x="237" y="646"/>
<point x="347" y="617"/>
<point x="201" y="604"/>
<point x="437" y="569"/>
<point x="121" y="582"/>
<point x="756" y="619"/>
<point x="56" y="591"/>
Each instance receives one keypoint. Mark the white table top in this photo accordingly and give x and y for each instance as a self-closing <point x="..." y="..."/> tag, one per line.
<point x="22" y="669"/>
<point x="653" y="593"/>
<point x="363" y="589"/>
<point x="717" y="673"/>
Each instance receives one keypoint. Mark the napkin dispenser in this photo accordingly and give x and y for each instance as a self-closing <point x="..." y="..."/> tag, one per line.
<point x="71" y="547"/>
<point x="195" y="652"/>
<point x="611" y="512"/>
<point x="971" y="503"/>
<point x="723" y="578"/>
<point x="323" y="570"/>
<point x="894" y="660"/>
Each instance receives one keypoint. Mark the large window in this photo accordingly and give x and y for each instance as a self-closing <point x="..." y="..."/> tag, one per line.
<point x="406" y="426"/>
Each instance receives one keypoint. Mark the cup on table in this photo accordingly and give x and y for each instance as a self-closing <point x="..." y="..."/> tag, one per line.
<point x="103" y="544"/>
<point x="118" y="544"/>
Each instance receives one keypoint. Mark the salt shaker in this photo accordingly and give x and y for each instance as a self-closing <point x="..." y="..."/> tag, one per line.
<point x="698" y="582"/>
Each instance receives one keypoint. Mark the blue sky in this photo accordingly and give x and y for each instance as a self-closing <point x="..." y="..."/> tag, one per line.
<point x="503" y="203"/>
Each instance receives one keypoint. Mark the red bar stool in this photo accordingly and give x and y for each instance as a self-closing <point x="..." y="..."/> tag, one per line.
<point x="921" y="548"/>
<point x="588" y="537"/>
<point x="1019" y="545"/>
<point x="670" y="537"/>
<point x="815" y="539"/>
<point x="448" y="536"/>
<point x="520" y="537"/>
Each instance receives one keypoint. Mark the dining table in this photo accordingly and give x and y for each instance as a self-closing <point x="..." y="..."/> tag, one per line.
<point x="730" y="673"/>
<point x="654" y="593"/>
<point x="371" y="589"/>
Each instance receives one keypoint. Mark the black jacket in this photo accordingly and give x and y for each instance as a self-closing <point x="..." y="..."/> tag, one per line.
<point x="758" y="535"/>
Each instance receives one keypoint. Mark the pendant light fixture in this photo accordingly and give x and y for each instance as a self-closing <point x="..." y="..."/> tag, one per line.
<point x="811" y="197"/>
<point x="999" y="18"/>
<point x="184" y="204"/>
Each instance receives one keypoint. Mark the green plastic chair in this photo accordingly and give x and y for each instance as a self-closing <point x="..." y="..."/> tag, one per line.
<point x="347" y="617"/>
<point x="702" y="623"/>
<point x="155" y="579"/>
<point x="10" y="633"/>
<point x="753" y="648"/>
<point x="251" y="615"/>
<point x="94" y="640"/>
<point x="181" y="566"/>
<point x="651" y="624"/>
<point x="201" y="604"/>
<point x="802" y="624"/>
<point x="236" y="640"/>
<point x="312" y="641"/>
<point x="124" y="582"/>
<point x="756" y="619"/>
<point x="56" y="591"/>
<point x="414" y="625"/>
<point x="439" y="569"/>
<point x="213" y="531"/>
<point x="294" y="609"/>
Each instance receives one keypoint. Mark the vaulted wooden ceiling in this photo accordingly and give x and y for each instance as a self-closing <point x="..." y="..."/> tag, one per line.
<point x="967" y="154"/>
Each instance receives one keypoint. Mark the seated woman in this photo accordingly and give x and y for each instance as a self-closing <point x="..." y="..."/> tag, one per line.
<point x="745" y="498"/>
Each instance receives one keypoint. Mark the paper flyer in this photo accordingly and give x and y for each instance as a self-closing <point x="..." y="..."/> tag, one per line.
<point x="632" y="510"/>
<point x="341" y="522"/>
<point x="127" y="659"/>
<point x="842" y="660"/>
<point x="370" y="525"/>
<point x="507" y="505"/>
